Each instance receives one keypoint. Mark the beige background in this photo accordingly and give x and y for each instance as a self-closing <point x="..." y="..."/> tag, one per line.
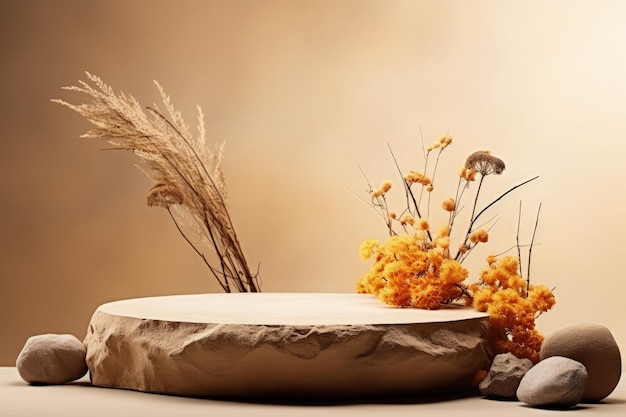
<point x="305" y="92"/>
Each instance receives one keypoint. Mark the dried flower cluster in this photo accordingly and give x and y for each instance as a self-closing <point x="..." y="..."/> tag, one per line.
<point x="512" y="305"/>
<point x="404" y="274"/>
<point x="189" y="177"/>
<point x="416" y="266"/>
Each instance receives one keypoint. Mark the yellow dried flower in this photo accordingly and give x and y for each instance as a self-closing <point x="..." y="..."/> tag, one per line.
<point x="448" y="204"/>
<point x="482" y="299"/>
<point x="452" y="272"/>
<point x="442" y="242"/>
<point x="541" y="297"/>
<point x="430" y="188"/>
<point x="367" y="248"/>
<point x="392" y="215"/>
<point x="509" y="264"/>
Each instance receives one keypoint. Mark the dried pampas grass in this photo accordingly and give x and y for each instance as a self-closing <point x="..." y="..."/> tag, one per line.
<point x="189" y="178"/>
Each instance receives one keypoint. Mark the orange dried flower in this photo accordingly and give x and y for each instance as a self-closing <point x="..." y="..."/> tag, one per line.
<point x="512" y="313"/>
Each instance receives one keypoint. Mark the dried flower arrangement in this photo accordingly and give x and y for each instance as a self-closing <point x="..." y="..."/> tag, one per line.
<point x="416" y="266"/>
<point x="189" y="180"/>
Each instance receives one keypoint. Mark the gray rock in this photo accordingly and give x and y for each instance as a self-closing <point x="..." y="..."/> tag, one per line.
<point x="504" y="376"/>
<point x="592" y="345"/>
<point x="52" y="359"/>
<point x="554" y="382"/>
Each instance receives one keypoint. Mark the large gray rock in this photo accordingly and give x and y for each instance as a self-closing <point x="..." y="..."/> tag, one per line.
<point x="284" y="345"/>
<point x="554" y="382"/>
<point x="52" y="359"/>
<point x="592" y="345"/>
<point x="504" y="376"/>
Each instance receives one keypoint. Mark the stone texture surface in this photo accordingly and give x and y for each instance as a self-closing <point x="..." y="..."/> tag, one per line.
<point x="592" y="345"/>
<point x="52" y="359"/>
<point x="554" y="382"/>
<point x="233" y="360"/>
<point x="504" y="376"/>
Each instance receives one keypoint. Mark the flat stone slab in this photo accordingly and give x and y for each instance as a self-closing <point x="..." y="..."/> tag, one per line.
<point x="284" y="345"/>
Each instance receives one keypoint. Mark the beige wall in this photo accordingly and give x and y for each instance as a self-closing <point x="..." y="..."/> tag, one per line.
<point x="304" y="92"/>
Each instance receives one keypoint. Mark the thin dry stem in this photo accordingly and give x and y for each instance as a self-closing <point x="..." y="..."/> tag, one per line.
<point x="530" y="249"/>
<point x="519" y="249"/>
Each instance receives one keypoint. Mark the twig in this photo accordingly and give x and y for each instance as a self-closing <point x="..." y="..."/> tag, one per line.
<point x="530" y="250"/>
<point x="519" y="250"/>
<point x="491" y="204"/>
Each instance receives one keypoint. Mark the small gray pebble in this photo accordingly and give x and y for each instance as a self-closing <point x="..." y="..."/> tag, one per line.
<point x="555" y="382"/>
<point x="504" y="376"/>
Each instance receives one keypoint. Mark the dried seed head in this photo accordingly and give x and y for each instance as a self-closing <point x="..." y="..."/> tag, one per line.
<point x="443" y="231"/>
<point x="423" y="224"/>
<point x="480" y="235"/>
<point x="467" y="174"/>
<point x="377" y="193"/>
<point x="385" y="186"/>
<point x="163" y="195"/>
<point x="433" y="146"/>
<point x="445" y="140"/>
<point x="448" y="205"/>
<point x="413" y="176"/>
<point x="407" y="218"/>
<point x="485" y="163"/>
<point x="425" y="180"/>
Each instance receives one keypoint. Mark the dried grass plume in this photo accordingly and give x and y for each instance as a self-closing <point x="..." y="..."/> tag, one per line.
<point x="189" y="179"/>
